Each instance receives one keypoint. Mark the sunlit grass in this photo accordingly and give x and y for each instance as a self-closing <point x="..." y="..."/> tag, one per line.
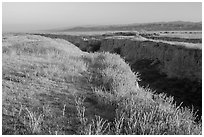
<point x="50" y="87"/>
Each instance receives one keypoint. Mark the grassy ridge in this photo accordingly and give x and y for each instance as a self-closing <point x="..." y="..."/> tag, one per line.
<point x="51" y="87"/>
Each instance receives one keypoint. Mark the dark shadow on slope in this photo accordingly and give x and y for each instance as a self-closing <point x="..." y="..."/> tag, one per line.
<point x="183" y="90"/>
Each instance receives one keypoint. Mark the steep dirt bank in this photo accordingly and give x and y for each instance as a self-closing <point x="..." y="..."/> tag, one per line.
<point x="176" y="61"/>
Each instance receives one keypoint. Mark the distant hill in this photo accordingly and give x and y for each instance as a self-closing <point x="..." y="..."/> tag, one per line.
<point x="157" y="26"/>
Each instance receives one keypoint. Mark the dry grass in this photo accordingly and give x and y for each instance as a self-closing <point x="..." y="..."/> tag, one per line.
<point x="51" y="87"/>
<point x="38" y="72"/>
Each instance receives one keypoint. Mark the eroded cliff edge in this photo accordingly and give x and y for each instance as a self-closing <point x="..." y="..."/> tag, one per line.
<point x="178" y="61"/>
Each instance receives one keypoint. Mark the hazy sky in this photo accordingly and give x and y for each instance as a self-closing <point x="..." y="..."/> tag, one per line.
<point x="37" y="15"/>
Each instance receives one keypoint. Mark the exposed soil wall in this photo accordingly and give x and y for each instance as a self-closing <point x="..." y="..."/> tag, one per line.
<point x="176" y="61"/>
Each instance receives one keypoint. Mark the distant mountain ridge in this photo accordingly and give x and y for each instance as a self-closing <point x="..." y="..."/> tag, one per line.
<point x="156" y="26"/>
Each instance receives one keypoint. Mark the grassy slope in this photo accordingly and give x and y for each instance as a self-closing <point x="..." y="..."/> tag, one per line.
<point x="51" y="87"/>
<point x="37" y="75"/>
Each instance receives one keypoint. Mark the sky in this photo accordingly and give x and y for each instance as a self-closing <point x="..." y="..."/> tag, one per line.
<point x="22" y="16"/>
